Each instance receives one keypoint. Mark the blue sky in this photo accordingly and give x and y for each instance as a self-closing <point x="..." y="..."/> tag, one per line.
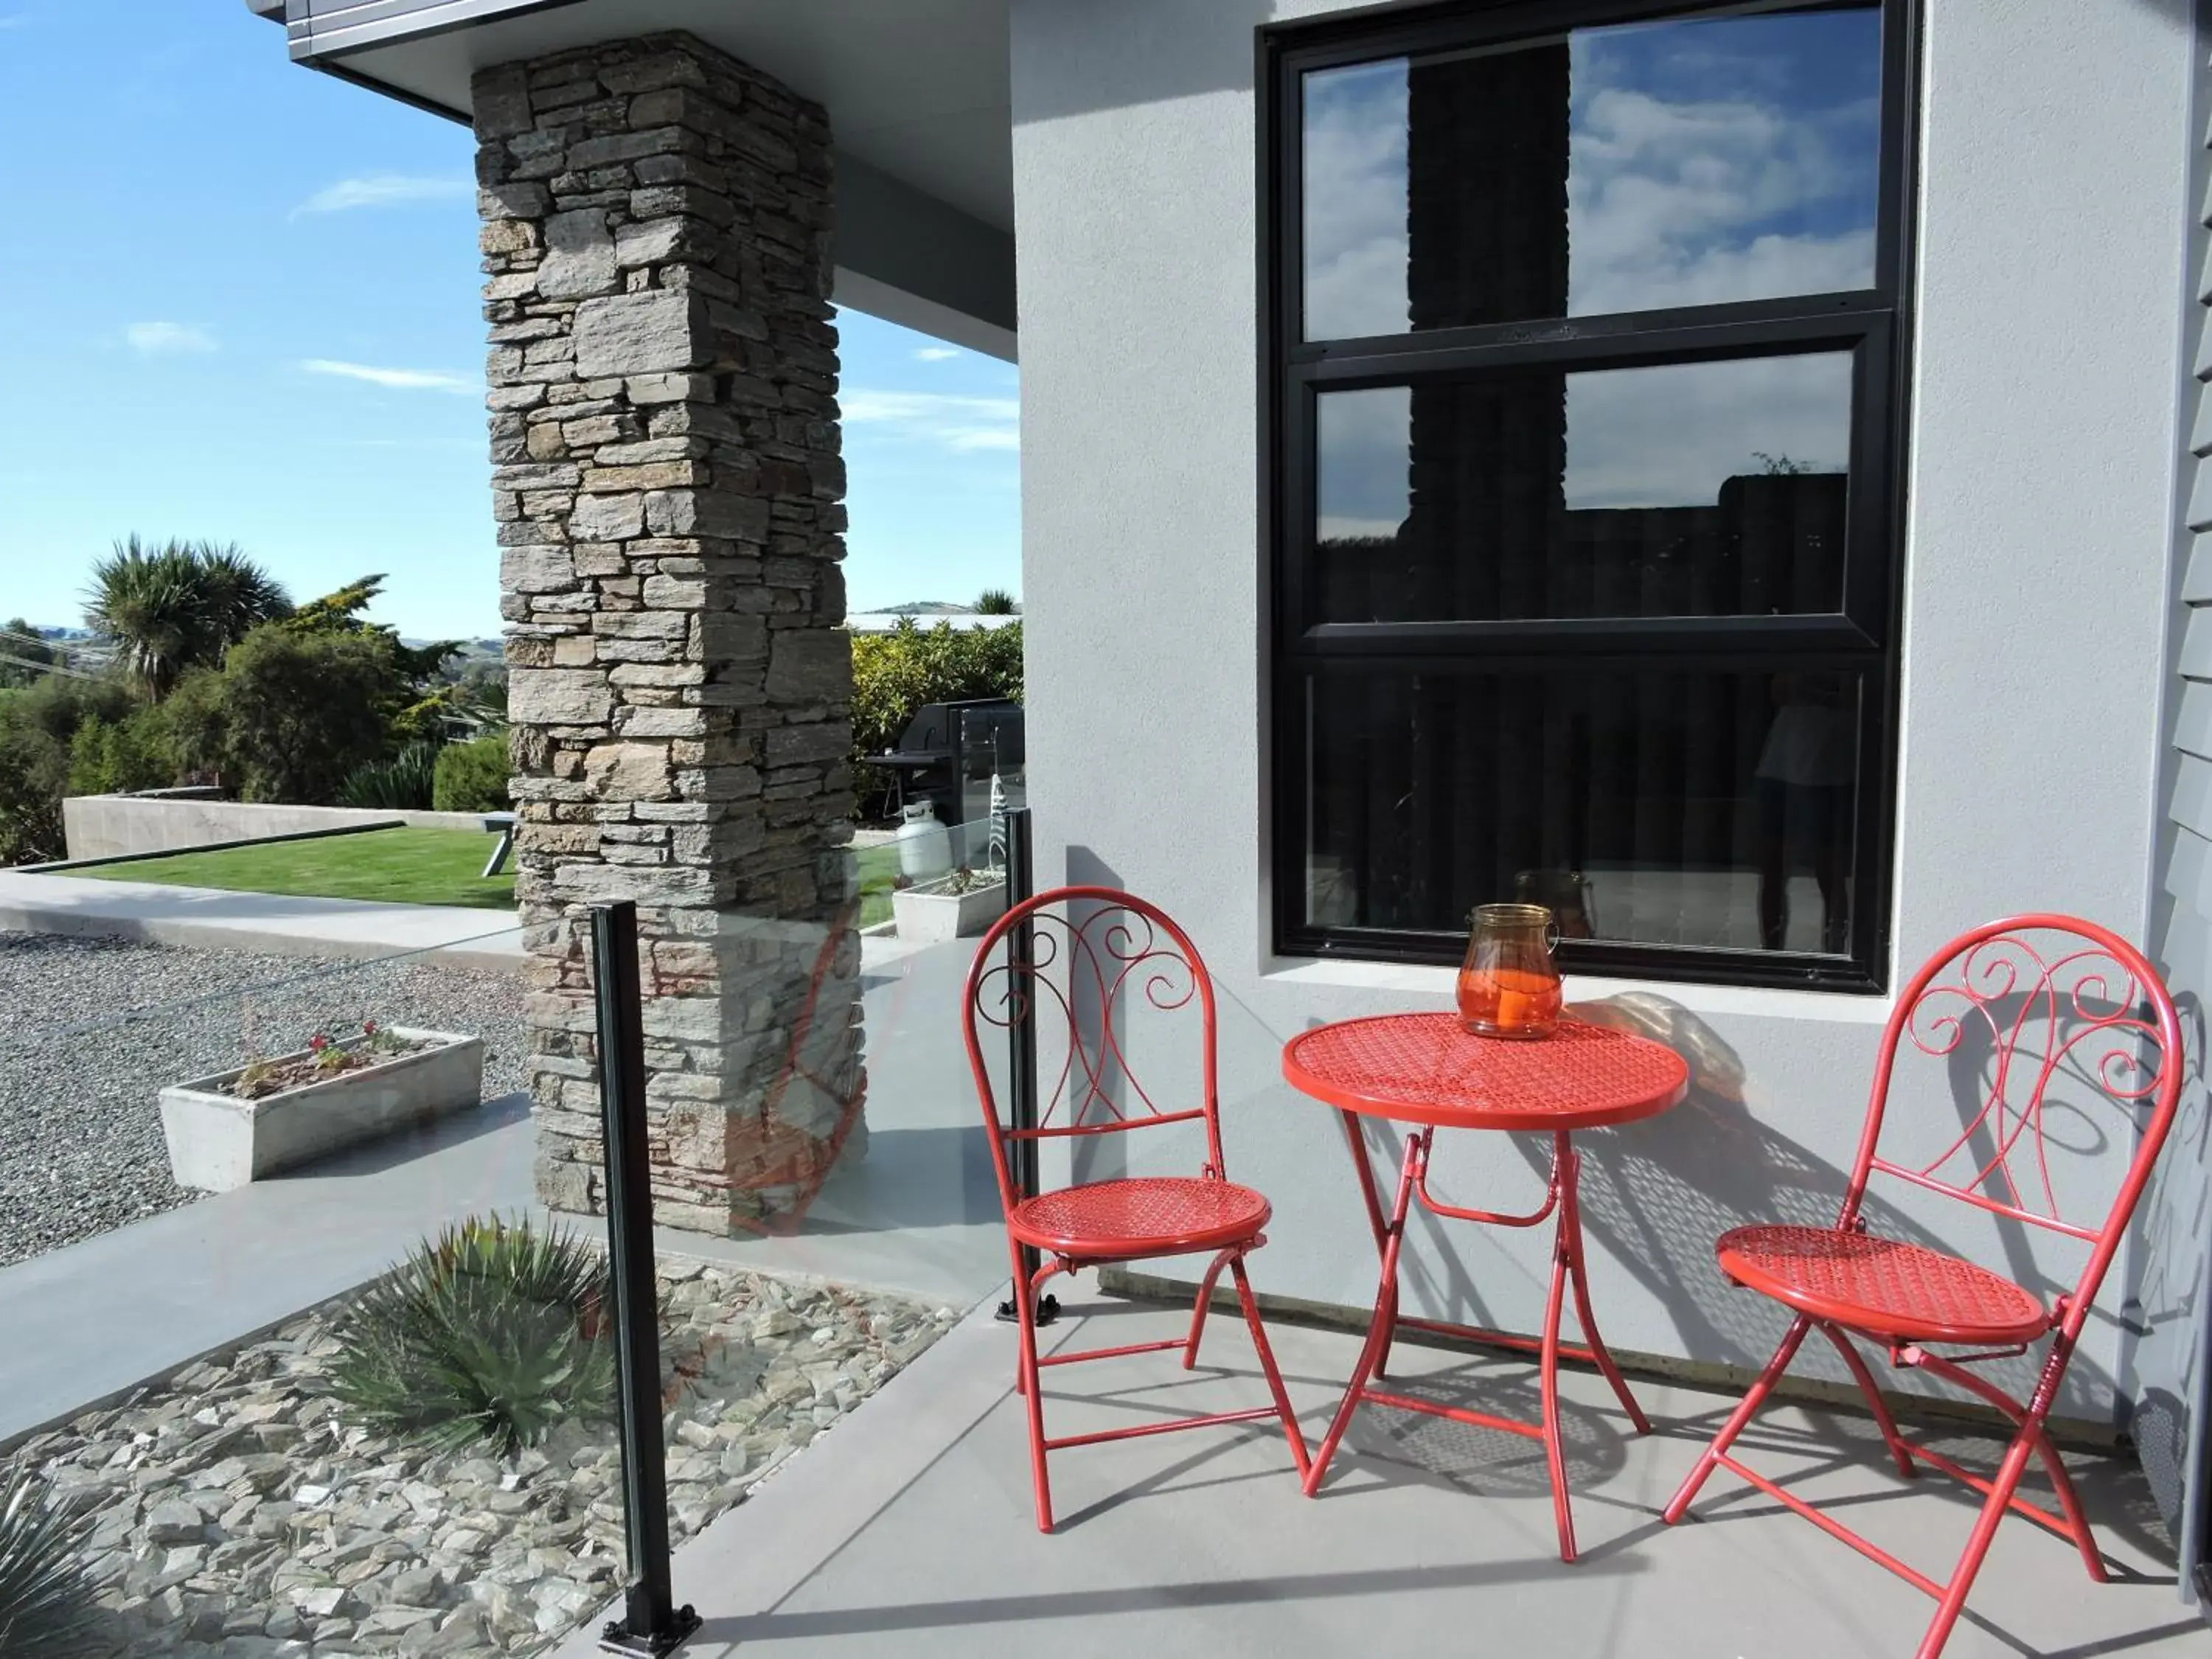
<point x="242" y="304"/>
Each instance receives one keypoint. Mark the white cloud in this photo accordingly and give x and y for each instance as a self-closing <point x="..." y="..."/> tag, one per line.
<point x="380" y="190"/>
<point x="1671" y="200"/>
<point x="935" y="354"/>
<point x="154" y="340"/>
<point x="396" y="380"/>
<point x="1355" y="201"/>
<point x="962" y="423"/>
<point x="1671" y="436"/>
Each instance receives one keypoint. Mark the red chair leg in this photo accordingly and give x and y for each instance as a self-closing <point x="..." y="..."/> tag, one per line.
<point x="1978" y="1545"/>
<point x="2070" y="1504"/>
<point x="2030" y="1423"/>
<point x="1267" y="1364"/>
<point x="1028" y="1386"/>
<point x="1197" y="1308"/>
<point x="1900" y="1453"/>
<point x="1747" y="1408"/>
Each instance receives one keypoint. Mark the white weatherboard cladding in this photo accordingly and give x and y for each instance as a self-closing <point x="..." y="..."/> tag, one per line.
<point x="2042" y="444"/>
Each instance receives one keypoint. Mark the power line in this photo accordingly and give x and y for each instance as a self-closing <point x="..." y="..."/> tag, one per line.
<point x="50" y="667"/>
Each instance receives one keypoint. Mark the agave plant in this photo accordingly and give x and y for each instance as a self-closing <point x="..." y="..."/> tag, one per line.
<point x="491" y="1333"/>
<point x="46" y="1599"/>
<point x="177" y="605"/>
<point x="405" y="783"/>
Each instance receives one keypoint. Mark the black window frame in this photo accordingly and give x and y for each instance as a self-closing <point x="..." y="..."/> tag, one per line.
<point x="1863" y="638"/>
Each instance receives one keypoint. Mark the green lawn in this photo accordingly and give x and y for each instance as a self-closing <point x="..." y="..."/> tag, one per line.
<point x="400" y="866"/>
<point x="877" y="866"/>
<point x="396" y="866"/>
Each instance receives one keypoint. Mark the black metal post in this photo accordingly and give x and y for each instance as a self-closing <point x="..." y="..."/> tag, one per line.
<point x="1021" y="1046"/>
<point x="652" y="1623"/>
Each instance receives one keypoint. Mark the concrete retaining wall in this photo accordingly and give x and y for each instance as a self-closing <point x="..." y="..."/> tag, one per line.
<point x="109" y="826"/>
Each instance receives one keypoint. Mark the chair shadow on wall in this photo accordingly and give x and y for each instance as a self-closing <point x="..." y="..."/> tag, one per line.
<point x="1656" y="1195"/>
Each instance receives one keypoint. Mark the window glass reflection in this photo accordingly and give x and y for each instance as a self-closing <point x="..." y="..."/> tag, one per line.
<point x="1705" y="809"/>
<point x="1636" y="167"/>
<point x="1683" y="490"/>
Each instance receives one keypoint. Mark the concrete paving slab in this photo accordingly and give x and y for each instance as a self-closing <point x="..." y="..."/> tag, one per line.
<point x="268" y="923"/>
<point x="87" y="1321"/>
<point x="907" y="1531"/>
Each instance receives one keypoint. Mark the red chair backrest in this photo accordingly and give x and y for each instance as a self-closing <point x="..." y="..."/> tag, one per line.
<point x="1077" y="961"/>
<point x="2031" y="1002"/>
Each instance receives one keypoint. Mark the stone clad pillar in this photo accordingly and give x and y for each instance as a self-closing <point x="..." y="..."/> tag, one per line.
<point x="656" y="221"/>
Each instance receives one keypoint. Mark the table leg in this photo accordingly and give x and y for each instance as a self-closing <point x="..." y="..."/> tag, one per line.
<point x="1547" y="1378"/>
<point x="1568" y="1274"/>
<point x="1357" y="1146"/>
<point x="1386" y="1298"/>
<point x="1571" y="1230"/>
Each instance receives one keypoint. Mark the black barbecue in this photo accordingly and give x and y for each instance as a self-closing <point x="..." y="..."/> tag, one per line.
<point x="949" y="752"/>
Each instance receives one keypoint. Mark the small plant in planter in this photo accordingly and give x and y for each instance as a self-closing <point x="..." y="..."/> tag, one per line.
<point x="951" y="907"/>
<point x="489" y="1334"/>
<point x="325" y="1056"/>
<point x="965" y="880"/>
<point x="278" y="1111"/>
<point x="46" y="1599"/>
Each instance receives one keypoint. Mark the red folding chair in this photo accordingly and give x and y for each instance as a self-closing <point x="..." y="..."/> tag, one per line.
<point x="1085" y="957"/>
<point x="2043" y="1006"/>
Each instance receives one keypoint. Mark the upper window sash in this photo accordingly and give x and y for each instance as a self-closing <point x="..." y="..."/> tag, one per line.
<point x="1813" y="221"/>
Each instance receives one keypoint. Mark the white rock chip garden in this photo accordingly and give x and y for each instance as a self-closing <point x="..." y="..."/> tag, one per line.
<point x="233" y="1512"/>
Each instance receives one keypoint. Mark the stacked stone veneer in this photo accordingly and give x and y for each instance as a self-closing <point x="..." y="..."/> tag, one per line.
<point x="668" y="491"/>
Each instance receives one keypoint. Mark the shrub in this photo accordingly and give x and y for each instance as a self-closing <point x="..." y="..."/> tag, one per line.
<point x="492" y="1334"/>
<point x="37" y="725"/>
<point x="297" y="711"/>
<point x="472" y="776"/>
<point x="33" y="773"/>
<point x="47" y="1604"/>
<point x="402" y="784"/>
<point x="106" y="755"/>
<point x="894" y="674"/>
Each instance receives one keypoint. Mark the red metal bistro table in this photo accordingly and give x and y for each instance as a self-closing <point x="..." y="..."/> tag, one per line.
<point x="1428" y="1070"/>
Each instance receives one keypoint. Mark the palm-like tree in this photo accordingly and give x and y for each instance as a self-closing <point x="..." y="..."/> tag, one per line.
<point x="995" y="602"/>
<point x="177" y="606"/>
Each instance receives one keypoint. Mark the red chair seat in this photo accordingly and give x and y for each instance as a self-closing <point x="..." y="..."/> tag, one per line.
<point x="1152" y="1216"/>
<point x="1881" y="1286"/>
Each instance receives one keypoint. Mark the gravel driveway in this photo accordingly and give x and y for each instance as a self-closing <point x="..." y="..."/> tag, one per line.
<point x="91" y="1030"/>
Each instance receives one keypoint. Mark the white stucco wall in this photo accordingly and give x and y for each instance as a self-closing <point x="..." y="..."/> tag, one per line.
<point x="2051" y="209"/>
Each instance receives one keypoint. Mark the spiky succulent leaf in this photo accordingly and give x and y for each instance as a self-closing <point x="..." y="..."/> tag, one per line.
<point x="46" y="1599"/>
<point x="491" y="1333"/>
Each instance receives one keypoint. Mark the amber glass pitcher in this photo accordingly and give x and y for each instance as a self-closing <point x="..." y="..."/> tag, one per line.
<point x="1508" y="986"/>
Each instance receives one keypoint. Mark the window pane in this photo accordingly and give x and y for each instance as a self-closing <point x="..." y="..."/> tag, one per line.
<point x="1683" y="808"/>
<point x="1689" y="489"/>
<point x="1634" y="167"/>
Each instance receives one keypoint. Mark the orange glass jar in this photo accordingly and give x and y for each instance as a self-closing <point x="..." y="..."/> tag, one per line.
<point x="1508" y="986"/>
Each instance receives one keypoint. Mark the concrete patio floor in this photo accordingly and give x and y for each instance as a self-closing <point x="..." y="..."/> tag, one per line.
<point x="907" y="1532"/>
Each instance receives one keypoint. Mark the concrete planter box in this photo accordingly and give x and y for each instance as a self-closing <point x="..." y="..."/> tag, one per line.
<point x="926" y="916"/>
<point x="218" y="1141"/>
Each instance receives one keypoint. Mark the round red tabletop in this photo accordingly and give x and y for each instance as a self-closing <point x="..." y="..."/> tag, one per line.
<point x="1428" y="1068"/>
